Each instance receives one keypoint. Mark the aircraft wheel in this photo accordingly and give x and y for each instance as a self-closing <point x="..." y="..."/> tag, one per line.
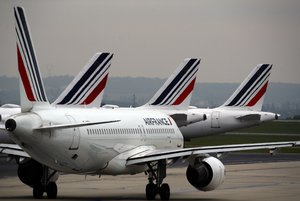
<point x="51" y="190"/>
<point x="164" y="192"/>
<point x="150" y="191"/>
<point x="38" y="191"/>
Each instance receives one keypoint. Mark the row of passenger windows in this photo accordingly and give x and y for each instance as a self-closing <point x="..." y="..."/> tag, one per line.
<point x="107" y="131"/>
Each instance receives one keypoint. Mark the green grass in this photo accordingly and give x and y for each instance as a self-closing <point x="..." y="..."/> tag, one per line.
<point x="238" y="139"/>
<point x="279" y="128"/>
<point x="287" y="127"/>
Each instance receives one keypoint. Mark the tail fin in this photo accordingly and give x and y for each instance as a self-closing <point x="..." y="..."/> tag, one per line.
<point x="88" y="86"/>
<point x="252" y="90"/>
<point x="32" y="89"/>
<point x="176" y="91"/>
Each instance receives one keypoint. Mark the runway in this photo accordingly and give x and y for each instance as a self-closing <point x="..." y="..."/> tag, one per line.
<point x="257" y="181"/>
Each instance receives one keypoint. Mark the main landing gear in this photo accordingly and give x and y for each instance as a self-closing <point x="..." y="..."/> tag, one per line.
<point x="158" y="174"/>
<point x="45" y="185"/>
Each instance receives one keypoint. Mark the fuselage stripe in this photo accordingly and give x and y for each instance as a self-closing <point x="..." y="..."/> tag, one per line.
<point x="179" y="88"/>
<point x="185" y="93"/>
<point x="91" y="83"/>
<point x="36" y="78"/>
<point x="258" y="96"/>
<point x="248" y="85"/>
<point x="96" y="91"/>
<point x="24" y="77"/>
<point x="254" y="88"/>
<point x="29" y="55"/>
<point x="83" y="79"/>
<point x="171" y="86"/>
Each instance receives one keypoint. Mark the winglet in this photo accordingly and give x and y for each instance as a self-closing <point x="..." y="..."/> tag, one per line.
<point x="87" y="87"/>
<point x="251" y="92"/>
<point x="32" y="88"/>
<point x="176" y="91"/>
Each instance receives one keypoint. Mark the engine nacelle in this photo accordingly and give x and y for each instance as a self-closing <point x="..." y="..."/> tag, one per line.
<point x="30" y="172"/>
<point x="205" y="174"/>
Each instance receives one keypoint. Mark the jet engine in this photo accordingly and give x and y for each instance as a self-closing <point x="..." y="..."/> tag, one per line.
<point x="30" y="172"/>
<point x="205" y="174"/>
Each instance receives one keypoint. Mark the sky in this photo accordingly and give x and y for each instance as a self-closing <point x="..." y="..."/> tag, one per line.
<point x="150" y="38"/>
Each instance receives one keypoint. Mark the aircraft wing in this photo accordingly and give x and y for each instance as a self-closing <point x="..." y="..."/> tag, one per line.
<point x="13" y="149"/>
<point x="157" y="155"/>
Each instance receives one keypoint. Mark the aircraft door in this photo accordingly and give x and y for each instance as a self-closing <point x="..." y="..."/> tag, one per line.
<point x="215" y="119"/>
<point x="143" y="133"/>
<point x="76" y="134"/>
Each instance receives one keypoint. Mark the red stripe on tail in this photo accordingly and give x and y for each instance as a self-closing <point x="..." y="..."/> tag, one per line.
<point x="95" y="92"/>
<point x="258" y="96"/>
<point x="24" y="77"/>
<point x="185" y="93"/>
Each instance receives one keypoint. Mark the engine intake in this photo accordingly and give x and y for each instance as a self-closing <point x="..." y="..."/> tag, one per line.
<point x="205" y="174"/>
<point x="30" y="172"/>
<point x="10" y="125"/>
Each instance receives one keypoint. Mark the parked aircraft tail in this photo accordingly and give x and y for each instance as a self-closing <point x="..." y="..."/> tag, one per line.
<point x="252" y="90"/>
<point x="176" y="91"/>
<point x="31" y="85"/>
<point x="87" y="87"/>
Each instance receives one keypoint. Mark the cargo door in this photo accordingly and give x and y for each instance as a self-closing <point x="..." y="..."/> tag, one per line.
<point x="75" y="134"/>
<point x="215" y="119"/>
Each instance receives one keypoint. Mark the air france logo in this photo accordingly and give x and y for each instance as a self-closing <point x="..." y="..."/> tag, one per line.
<point x="157" y="121"/>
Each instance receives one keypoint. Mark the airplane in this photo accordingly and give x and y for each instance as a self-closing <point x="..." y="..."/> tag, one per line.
<point x="85" y="90"/>
<point x="113" y="142"/>
<point x="185" y="73"/>
<point x="241" y="110"/>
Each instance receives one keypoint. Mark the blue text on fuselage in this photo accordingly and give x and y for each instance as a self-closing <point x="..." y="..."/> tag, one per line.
<point x="157" y="121"/>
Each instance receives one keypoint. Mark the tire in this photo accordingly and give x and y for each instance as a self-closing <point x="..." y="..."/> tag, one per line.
<point x="51" y="190"/>
<point x="38" y="191"/>
<point x="150" y="191"/>
<point x="164" y="192"/>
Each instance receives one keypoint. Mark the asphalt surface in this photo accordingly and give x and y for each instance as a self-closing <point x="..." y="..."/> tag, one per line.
<point x="263" y="177"/>
<point x="9" y="168"/>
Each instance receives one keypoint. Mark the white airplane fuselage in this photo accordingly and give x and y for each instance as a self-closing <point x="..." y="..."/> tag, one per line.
<point x="94" y="149"/>
<point x="220" y="120"/>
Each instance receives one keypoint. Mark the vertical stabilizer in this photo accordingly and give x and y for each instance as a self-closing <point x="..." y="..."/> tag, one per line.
<point x="88" y="86"/>
<point x="177" y="90"/>
<point x="31" y="86"/>
<point x="251" y="92"/>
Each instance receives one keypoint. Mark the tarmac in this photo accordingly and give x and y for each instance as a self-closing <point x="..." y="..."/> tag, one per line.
<point x="258" y="181"/>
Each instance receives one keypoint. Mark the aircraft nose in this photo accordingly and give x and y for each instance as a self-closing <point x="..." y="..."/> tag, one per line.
<point x="10" y="125"/>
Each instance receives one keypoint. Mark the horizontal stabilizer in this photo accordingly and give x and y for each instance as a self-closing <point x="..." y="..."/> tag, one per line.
<point x="61" y="126"/>
<point x="249" y="117"/>
<point x="183" y="119"/>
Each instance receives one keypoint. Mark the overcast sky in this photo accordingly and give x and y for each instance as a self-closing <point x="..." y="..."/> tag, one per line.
<point x="151" y="38"/>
